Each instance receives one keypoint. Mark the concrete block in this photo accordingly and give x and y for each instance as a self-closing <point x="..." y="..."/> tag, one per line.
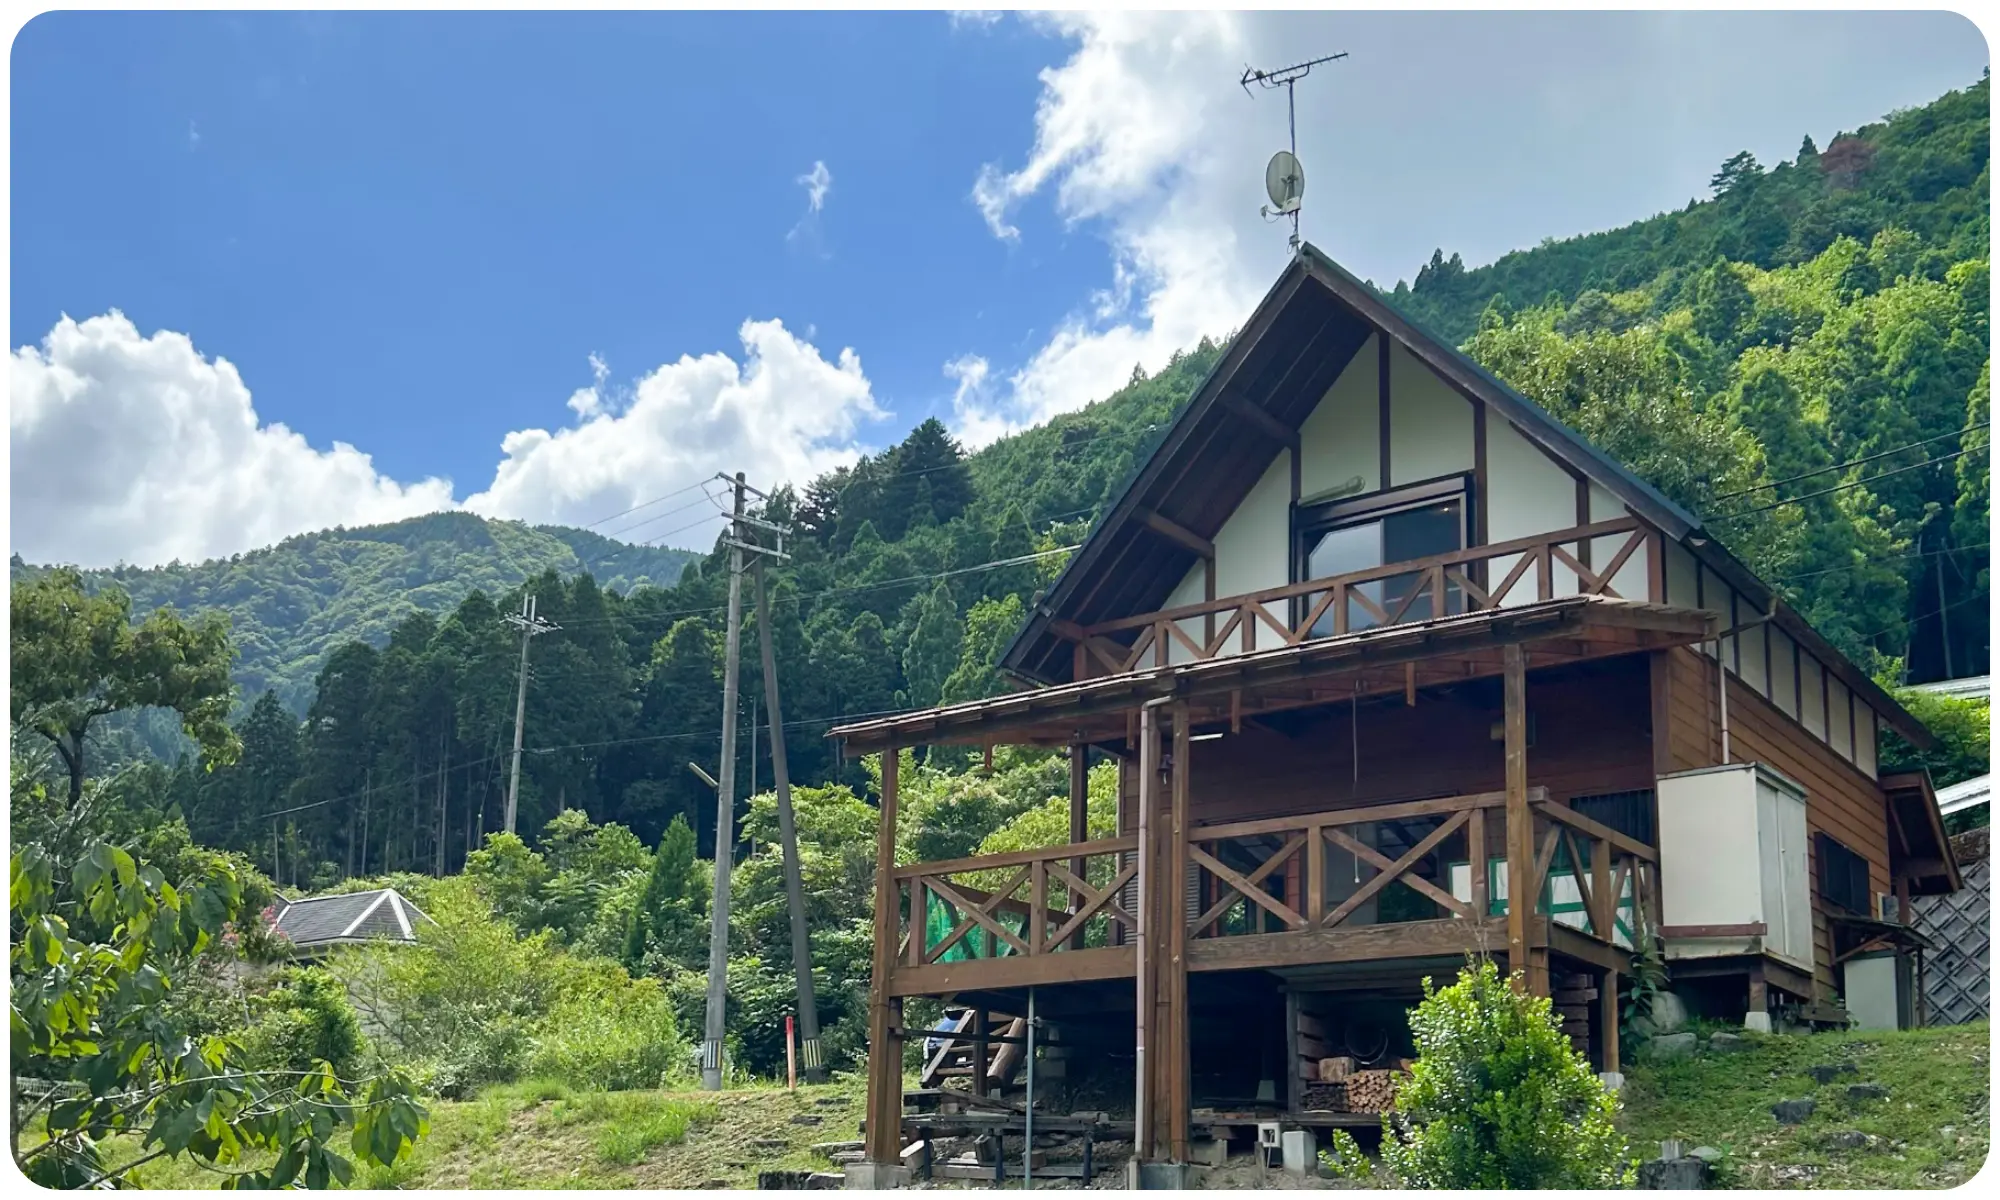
<point x="1300" y="1151"/>
<point x="1208" y="1152"/>
<point x="1155" y="1176"/>
<point x="1613" y="1081"/>
<point x="876" y="1177"/>
<point x="1757" y="1022"/>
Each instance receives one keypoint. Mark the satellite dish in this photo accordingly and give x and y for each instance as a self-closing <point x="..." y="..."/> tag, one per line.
<point x="1285" y="182"/>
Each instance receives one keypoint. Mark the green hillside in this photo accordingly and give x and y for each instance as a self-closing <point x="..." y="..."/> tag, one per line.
<point x="290" y="603"/>
<point x="1924" y="170"/>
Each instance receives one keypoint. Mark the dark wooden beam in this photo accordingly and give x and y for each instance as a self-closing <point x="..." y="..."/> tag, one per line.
<point x="1175" y="532"/>
<point x="1520" y="824"/>
<point x="885" y="1049"/>
<point x="1255" y="416"/>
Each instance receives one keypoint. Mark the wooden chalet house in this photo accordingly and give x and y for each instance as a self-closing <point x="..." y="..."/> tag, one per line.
<point x="1371" y="636"/>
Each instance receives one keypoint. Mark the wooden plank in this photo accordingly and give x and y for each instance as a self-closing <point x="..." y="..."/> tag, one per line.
<point x="1401" y="870"/>
<point x="1607" y="1022"/>
<point x="1223" y="830"/>
<point x="1176" y="1054"/>
<point x="1245" y="887"/>
<point x="1015" y="971"/>
<point x="1366" y="943"/>
<point x="984" y="904"/>
<point x="1015" y="858"/>
<point x="1393" y="872"/>
<point x="1582" y="824"/>
<point x="1254" y="880"/>
<point x="949" y="895"/>
<point x="1175" y="532"/>
<point x="1745" y="929"/>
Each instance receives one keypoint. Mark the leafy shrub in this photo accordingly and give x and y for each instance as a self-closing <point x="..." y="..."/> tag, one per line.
<point x="608" y="1030"/>
<point x="304" y="1020"/>
<point x="1345" y="1159"/>
<point x="1498" y="1098"/>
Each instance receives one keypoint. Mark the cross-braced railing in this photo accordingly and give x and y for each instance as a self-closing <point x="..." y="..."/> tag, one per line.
<point x="1025" y="902"/>
<point x="1420" y="589"/>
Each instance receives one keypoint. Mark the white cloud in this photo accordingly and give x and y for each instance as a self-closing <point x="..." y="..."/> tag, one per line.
<point x="817" y="182"/>
<point x="975" y="18"/>
<point x="784" y="413"/>
<point x="141" y="450"/>
<point x="1142" y="137"/>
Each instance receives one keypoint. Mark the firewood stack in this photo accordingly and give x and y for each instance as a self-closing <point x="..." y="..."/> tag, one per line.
<point x="1343" y="1088"/>
<point x="1573" y="998"/>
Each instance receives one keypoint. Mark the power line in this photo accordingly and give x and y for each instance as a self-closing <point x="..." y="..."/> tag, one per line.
<point x="1929" y="462"/>
<point x="1840" y="466"/>
<point x="1877" y="561"/>
<point x="648" y="503"/>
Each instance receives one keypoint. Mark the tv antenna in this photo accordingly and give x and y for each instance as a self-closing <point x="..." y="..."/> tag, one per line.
<point x="1284" y="176"/>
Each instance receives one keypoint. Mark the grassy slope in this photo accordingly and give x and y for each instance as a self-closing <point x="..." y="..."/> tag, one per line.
<point x="1938" y="1080"/>
<point x="543" y="1136"/>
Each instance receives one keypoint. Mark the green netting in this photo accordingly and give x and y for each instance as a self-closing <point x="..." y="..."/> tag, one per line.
<point x="941" y="918"/>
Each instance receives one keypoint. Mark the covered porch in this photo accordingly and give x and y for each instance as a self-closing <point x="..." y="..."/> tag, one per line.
<point x="1224" y="870"/>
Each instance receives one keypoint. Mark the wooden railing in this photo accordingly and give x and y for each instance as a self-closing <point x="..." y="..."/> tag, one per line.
<point x="1239" y="900"/>
<point x="1615" y="885"/>
<point x="1066" y="897"/>
<point x="1445" y="584"/>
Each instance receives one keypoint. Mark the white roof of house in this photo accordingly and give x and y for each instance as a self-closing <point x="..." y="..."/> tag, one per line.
<point x="1960" y="796"/>
<point x="1972" y="687"/>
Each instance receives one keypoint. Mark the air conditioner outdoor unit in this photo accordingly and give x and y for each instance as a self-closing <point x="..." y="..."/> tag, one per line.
<point x="1885" y="907"/>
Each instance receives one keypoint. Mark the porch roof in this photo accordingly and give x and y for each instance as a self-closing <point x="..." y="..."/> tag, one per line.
<point x="1375" y="661"/>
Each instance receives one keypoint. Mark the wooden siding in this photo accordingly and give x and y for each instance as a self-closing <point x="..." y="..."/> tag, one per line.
<point x="1840" y="800"/>
<point x="1592" y="734"/>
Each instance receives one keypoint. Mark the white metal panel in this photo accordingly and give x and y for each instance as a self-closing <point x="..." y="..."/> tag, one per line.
<point x="1781" y="822"/>
<point x="1784" y="672"/>
<point x="1752" y="663"/>
<point x="1870" y="994"/>
<point x="1528" y="495"/>
<point x="1681" y="568"/>
<point x="1865" y="735"/>
<point x="1430" y="425"/>
<point x="1812" y="687"/>
<point x="1710" y="873"/>
<point x="1341" y="438"/>
<point x="1839" y="731"/>
<point x="1251" y="551"/>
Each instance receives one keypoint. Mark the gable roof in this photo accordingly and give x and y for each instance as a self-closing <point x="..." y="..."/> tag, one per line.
<point x="348" y="917"/>
<point x="1303" y="335"/>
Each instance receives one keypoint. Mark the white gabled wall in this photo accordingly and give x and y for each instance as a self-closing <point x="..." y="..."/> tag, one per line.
<point x="1527" y="495"/>
<point x="1430" y="425"/>
<point x="1341" y="440"/>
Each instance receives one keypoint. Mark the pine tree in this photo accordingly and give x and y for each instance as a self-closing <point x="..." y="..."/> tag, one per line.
<point x="666" y="920"/>
<point x="933" y="649"/>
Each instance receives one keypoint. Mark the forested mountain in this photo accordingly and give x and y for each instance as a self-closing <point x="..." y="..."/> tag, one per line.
<point x="290" y="603"/>
<point x="1809" y="399"/>
<point x="1922" y="170"/>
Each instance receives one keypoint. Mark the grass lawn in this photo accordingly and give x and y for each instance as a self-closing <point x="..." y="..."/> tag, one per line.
<point x="534" y="1135"/>
<point x="1931" y="1131"/>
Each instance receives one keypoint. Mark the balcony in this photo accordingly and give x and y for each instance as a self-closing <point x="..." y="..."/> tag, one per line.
<point x="1380" y="882"/>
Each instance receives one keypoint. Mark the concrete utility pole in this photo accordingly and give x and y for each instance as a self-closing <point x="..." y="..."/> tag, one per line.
<point x="725" y="813"/>
<point x="788" y="835"/>
<point x="530" y="625"/>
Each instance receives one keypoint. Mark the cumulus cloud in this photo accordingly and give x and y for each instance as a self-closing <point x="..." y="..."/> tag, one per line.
<point x="1140" y="137"/>
<point x="975" y="18"/>
<point x="140" y="449"/>
<point x="783" y="413"/>
<point x="817" y="182"/>
<point x="136" y="449"/>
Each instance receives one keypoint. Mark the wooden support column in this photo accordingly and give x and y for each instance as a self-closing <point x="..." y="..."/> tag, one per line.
<point x="1607" y="1019"/>
<point x="885" y="1047"/>
<point x="1079" y="820"/>
<point x="1520" y="823"/>
<point x="1146" y="1033"/>
<point x="980" y="1051"/>
<point x="1759" y="999"/>
<point x="1174" y="1056"/>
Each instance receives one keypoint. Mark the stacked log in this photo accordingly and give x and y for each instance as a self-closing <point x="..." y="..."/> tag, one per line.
<point x="1573" y="999"/>
<point x="1372" y="1091"/>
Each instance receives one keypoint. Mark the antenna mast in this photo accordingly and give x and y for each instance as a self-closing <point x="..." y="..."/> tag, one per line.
<point x="1286" y="77"/>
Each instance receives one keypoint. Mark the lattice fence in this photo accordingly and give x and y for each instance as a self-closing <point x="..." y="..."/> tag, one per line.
<point x="1957" y="975"/>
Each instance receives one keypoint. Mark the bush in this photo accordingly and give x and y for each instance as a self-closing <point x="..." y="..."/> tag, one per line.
<point x="608" y="1030"/>
<point x="1498" y="1098"/>
<point x="303" y="1021"/>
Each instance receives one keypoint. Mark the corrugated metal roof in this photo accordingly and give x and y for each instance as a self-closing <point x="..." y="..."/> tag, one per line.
<point x="350" y="916"/>
<point x="1972" y="687"/>
<point x="1969" y="794"/>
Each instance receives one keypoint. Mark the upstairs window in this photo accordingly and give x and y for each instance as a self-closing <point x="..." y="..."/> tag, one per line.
<point x="1342" y="537"/>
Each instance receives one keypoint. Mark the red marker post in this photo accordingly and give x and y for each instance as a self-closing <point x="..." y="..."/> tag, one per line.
<point x="791" y="1061"/>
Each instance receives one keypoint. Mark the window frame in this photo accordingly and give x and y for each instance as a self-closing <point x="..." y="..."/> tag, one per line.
<point x="1312" y="521"/>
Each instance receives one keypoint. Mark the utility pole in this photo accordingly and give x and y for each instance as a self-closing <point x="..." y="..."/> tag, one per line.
<point x="725" y="814"/>
<point x="788" y="836"/>
<point x="529" y="624"/>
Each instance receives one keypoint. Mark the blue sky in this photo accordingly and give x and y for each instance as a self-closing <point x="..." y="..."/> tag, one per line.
<point x="409" y="234"/>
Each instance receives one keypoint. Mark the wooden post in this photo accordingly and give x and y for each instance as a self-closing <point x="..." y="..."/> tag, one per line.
<point x="1520" y="825"/>
<point x="1145" y="1032"/>
<point x="1475" y="858"/>
<point x="1607" y="1018"/>
<point x="1759" y="999"/>
<point x="885" y="1047"/>
<point x="1079" y="822"/>
<point x="1174" y="1056"/>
